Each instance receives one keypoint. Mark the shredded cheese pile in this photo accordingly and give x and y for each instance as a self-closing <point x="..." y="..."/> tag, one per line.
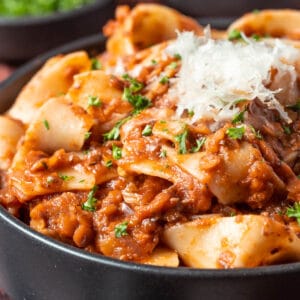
<point x="216" y="73"/>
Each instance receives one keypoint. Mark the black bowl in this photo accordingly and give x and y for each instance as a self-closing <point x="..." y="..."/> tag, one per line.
<point x="25" y="37"/>
<point x="35" y="267"/>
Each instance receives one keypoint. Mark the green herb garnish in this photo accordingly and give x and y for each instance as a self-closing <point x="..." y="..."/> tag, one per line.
<point x="177" y="56"/>
<point x="173" y="65"/>
<point x="94" y="101"/>
<point x="116" y="152"/>
<point x="163" y="154"/>
<point x="121" y="230"/>
<point x="87" y="135"/>
<point x="114" y="133"/>
<point x="90" y="203"/>
<point x="147" y="130"/>
<point x="46" y="124"/>
<point x="234" y="34"/>
<point x="236" y="133"/>
<point x="256" y="133"/>
<point x="109" y="164"/>
<point x="294" y="211"/>
<point x="65" y="177"/>
<point x="239" y="117"/>
<point x="181" y="139"/>
<point x="199" y="144"/>
<point x="164" y="80"/>
<point x="134" y="85"/>
<point x="286" y="129"/>
<point x="96" y="64"/>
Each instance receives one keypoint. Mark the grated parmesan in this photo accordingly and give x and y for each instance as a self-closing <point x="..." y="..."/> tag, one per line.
<point x="216" y="73"/>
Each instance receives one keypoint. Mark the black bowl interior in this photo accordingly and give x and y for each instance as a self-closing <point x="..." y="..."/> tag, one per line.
<point x="33" y="266"/>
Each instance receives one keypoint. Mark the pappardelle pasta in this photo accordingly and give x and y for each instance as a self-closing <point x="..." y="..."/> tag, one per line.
<point x="177" y="146"/>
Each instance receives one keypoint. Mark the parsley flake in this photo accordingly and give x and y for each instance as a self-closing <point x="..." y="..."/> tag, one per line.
<point x="181" y="139"/>
<point x="109" y="164"/>
<point x="164" y="80"/>
<point x="65" y="177"/>
<point x="294" y="211"/>
<point x="173" y="65"/>
<point x="87" y="135"/>
<point x="114" y="133"/>
<point x="163" y="154"/>
<point x="147" y="130"/>
<point x="257" y="133"/>
<point x="138" y="101"/>
<point x="236" y="133"/>
<point x="234" y="34"/>
<point x="134" y="85"/>
<point x="121" y="230"/>
<point x="177" y="56"/>
<point x="94" y="101"/>
<point x="46" y="124"/>
<point x="116" y="152"/>
<point x="199" y="144"/>
<point x="90" y="203"/>
<point x="239" y="117"/>
<point x="286" y="129"/>
<point x="96" y="64"/>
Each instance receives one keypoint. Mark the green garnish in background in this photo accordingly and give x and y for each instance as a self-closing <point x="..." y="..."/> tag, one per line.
<point x="19" y="8"/>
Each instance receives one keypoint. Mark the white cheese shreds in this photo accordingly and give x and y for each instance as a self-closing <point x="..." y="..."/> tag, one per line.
<point x="216" y="73"/>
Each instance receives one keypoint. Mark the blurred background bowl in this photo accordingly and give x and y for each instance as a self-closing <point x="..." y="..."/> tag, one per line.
<point x="22" y="38"/>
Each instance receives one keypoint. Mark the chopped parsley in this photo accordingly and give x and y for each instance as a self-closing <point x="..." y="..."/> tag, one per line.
<point x="134" y="85"/>
<point x="116" y="152"/>
<point x="234" y="34"/>
<point x="256" y="11"/>
<point x="139" y="102"/>
<point x="46" y="124"/>
<point x="90" y="203"/>
<point x="114" y="133"/>
<point x="164" y="80"/>
<point x="256" y="133"/>
<point x="65" y="177"/>
<point x="163" y="154"/>
<point x="173" y="65"/>
<point x="81" y="181"/>
<point x="153" y="62"/>
<point x="286" y="129"/>
<point x="147" y="130"/>
<point x="181" y="139"/>
<point x="109" y="164"/>
<point x="121" y="230"/>
<point x="236" y="133"/>
<point x="96" y="64"/>
<point x="294" y="211"/>
<point x="94" y="101"/>
<point x="199" y="144"/>
<point x="87" y="135"/>
<point x="177" y="56"/>
<point x="239" y="117"/>
<point x="295" y="107"/>
<point x="256" y="37"/>
<point x="191" y="113"/>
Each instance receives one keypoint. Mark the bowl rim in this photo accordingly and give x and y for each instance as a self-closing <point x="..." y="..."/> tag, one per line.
<point x="22" y="228"/>
<point x="52" y="17"/>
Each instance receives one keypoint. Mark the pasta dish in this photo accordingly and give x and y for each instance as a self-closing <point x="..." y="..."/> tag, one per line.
<point x="179" y="145"/>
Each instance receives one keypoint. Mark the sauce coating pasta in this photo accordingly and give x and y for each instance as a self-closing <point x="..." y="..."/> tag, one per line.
<point x="170" y="149"/>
